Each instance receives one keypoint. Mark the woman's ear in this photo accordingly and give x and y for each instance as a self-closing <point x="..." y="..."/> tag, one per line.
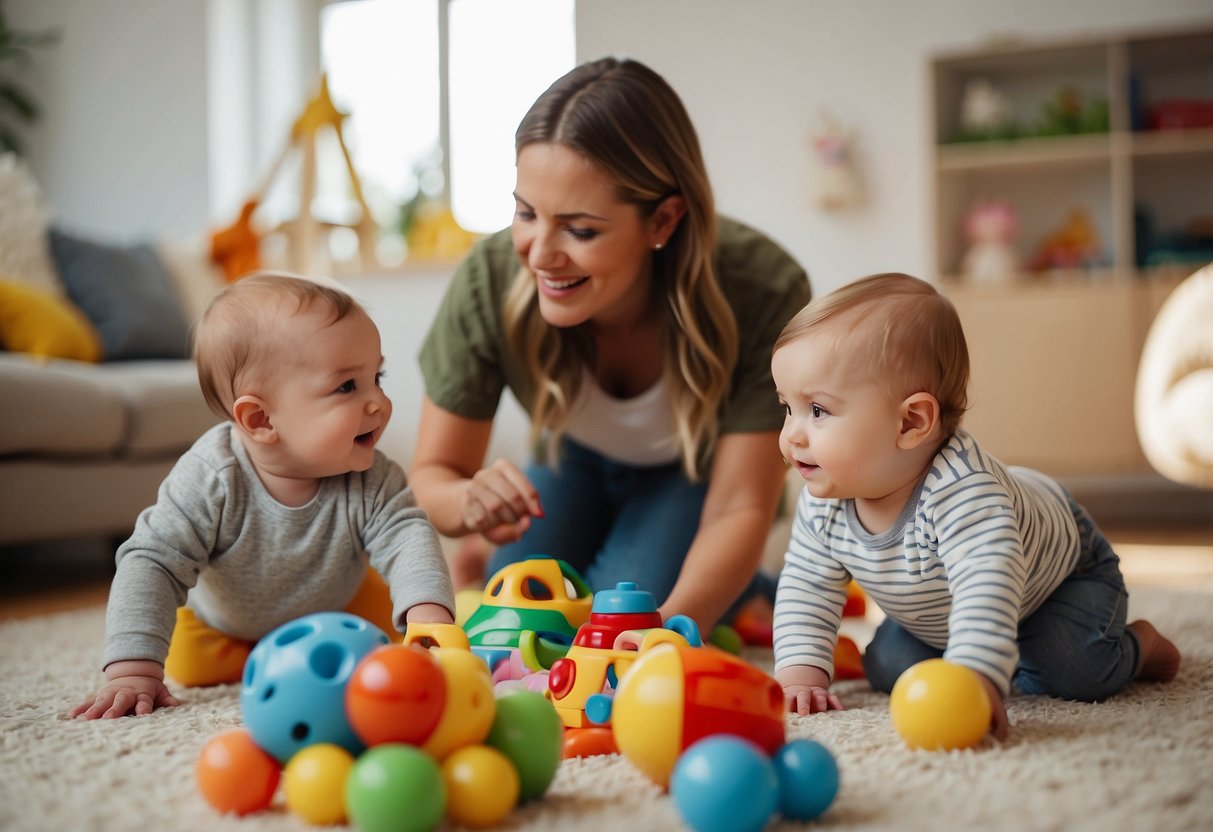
<point x="919" y="421"/>
<point x="253" y="419"/>
<point x="666" y="218"/>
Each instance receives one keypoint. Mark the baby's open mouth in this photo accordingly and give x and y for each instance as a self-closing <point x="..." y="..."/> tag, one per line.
<point x="367" y="438"/>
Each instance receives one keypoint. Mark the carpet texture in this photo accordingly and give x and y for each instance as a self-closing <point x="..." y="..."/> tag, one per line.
<point x="1142" y="760"/>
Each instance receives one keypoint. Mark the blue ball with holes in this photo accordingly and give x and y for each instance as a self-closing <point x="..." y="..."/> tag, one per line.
<point x="293" y="690"/>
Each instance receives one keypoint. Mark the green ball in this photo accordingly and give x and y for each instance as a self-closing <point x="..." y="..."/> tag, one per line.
<point x="395" y="788"/>
<point x="727" y="639"/>
<point x="528" y="730"/>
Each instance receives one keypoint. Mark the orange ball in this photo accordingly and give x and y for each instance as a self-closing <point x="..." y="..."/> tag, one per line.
<point x="236" y="775"/>
<point x="395" y="694"/>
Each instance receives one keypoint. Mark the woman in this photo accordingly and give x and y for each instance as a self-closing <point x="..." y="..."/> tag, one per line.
<point x="635" y="327"/>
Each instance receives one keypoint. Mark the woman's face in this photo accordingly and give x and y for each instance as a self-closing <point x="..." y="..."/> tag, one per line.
<point x="590" y="253"/>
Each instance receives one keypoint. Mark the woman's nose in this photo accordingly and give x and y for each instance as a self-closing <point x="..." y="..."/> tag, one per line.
<point x="545" y="253"/>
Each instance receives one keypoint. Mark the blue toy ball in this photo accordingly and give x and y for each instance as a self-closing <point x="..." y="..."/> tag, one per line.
<point x="724" y="783"/>
<point x="808" y="779"/>
<point x="293" y="694"/>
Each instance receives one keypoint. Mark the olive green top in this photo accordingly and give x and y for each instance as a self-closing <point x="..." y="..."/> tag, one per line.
<point x="466" y="362"/>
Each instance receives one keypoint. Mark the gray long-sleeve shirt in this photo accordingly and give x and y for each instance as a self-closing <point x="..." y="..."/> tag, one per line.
<point x="216" y="541"/>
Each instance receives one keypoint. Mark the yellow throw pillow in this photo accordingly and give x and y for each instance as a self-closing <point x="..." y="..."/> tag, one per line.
<point x="37" y="322"/>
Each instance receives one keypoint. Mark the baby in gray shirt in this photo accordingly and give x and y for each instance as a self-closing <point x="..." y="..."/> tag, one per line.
<point x="284" y="509"/>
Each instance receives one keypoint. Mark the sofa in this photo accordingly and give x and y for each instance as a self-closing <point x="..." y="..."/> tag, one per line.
<point x="98" y="397"/>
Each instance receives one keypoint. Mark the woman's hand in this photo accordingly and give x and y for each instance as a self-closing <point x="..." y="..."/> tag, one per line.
<point x="806" y="690"/>
<point x="499" y="502"/>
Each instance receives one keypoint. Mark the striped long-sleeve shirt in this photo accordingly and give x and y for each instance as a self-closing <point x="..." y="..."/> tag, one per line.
<point x="976" y="549"/>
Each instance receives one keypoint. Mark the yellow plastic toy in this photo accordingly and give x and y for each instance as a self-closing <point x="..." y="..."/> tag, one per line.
<point x="937" y="705"/>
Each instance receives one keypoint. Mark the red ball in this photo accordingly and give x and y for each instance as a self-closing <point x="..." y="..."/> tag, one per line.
<point x="236" y="775"/>
<point x="396" y="694"/>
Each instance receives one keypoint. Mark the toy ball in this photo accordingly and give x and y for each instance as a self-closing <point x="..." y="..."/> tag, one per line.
<point x="395" y="694"/>
<point x="808" y="779"/>
<point x="675" y="695"/>
<point x="235" y="774"/>
<point x="938" y="705"/>
<point x="293" y="694"/>
<point x="395" y="788"/>
<point x="481" y="786"/>
<point x="470" y="707"/>
<point x="725" y="784"/>
<point x="314" y="782"/>
<point x="529" y="732"/>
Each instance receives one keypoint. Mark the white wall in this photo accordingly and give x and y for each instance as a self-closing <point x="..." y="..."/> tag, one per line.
<point x="121" y="152"/>
<point x="755" y="75"/>
<point x="123" y="149"/>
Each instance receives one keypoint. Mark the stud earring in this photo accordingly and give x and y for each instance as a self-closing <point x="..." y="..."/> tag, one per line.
<point x="658" y="246"/>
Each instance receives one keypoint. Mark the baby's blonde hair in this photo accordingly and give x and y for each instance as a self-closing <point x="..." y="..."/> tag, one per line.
<point x="900" y="331"/>
<point x="237" y="340"/>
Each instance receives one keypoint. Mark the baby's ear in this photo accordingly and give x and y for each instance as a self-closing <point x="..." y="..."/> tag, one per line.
<point x="919" y="421"/>
<point x="253" y="419"/>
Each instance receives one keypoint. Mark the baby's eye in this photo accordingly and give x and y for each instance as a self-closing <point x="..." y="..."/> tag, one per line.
<point x="787" y="410"/>
<point x="348" y="387"/>
<point x="817" y="410"/>
<point x="379" y="377"/>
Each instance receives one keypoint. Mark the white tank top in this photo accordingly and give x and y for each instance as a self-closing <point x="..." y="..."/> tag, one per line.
<point x="635" y="431"/>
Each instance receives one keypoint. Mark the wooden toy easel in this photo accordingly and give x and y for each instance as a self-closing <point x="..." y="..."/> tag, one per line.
<point x="236" y="248"/>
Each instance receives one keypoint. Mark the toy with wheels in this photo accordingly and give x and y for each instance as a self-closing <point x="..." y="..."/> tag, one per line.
<point x="293" y="690"/>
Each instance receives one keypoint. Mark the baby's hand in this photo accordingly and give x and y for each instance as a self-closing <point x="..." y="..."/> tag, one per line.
<point x="806" y="690"/>
<point x="999" y="724"/>
<point x="129" y="693"/>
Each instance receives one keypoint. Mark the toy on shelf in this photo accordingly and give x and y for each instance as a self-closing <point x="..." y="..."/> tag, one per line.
<point x="236" y="249"/>
<point x="1075" y="245"/>
<point x="985" y="111"/>
<point x="938" y="705"/>
<point x="991" y="228"/>
<point x="528" y="615"/>
<point x="624" y="623"/>
<point x="390" y="736"/>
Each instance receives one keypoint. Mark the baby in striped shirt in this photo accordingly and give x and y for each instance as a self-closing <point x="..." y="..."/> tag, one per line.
<point x="990" y="567"/>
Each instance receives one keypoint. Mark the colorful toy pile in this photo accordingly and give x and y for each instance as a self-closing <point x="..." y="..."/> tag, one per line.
<point x="395" y="736"/>
<point x="388" y="736"/>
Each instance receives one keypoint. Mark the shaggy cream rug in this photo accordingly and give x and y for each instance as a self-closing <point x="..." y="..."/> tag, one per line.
<point x="1143" y="760"/>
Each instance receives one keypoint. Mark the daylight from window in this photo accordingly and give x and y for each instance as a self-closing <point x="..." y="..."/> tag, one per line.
<point x="381" y="58"/>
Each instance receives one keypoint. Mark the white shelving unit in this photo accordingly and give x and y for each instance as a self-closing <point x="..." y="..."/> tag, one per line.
<point x="1055" y="355"/>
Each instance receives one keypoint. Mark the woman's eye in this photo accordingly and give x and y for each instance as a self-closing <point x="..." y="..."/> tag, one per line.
<point x="583" y="234"/>
<point x="524" y="214"/>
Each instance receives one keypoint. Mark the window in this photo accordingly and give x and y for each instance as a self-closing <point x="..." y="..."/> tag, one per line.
<point x="383" y="60"/>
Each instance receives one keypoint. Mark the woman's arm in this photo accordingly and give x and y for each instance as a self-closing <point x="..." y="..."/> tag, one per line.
<point x="746" y="479"/>
<point x="460" y="496"/>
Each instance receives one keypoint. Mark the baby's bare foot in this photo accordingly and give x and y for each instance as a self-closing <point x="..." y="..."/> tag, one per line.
<point x="1159" y="657"/>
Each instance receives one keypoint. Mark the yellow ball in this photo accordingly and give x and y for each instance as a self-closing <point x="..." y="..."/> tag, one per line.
<point x="937" y="705"/>
<point x="481" y="786"/>
<point x="314" y="782"/>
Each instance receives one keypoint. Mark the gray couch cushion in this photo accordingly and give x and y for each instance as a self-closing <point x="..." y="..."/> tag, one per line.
<point x="135" y="408"/>
<point x="44" y="408"/>
<point x="126" y="293"/>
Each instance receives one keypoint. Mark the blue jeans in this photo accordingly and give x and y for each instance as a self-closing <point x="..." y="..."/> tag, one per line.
<point x="614" y="522"/>
<point x="1074" y="646"/>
